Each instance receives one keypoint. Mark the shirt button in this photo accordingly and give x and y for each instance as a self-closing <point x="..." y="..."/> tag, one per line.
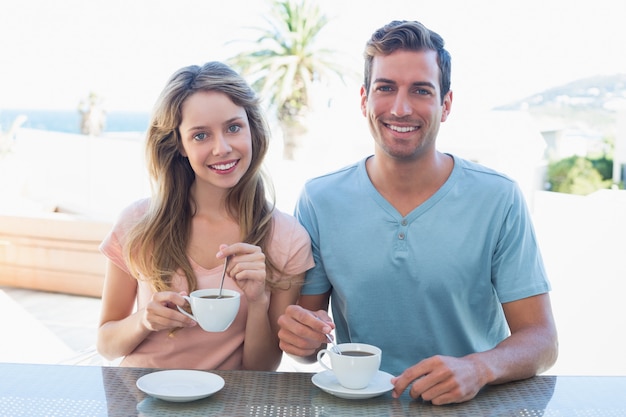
<point x="401" y="236"/>
<point x="404" y="222"/>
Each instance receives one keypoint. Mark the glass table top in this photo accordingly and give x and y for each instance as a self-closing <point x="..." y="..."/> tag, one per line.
<point x="61" y="390"/>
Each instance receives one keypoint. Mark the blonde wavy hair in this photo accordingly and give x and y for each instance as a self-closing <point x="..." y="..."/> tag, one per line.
<point x="156" y="245"/>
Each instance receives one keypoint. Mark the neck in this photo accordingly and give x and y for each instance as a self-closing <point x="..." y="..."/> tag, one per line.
<point x="209" y="202"/>
<point x="407" y="184"/>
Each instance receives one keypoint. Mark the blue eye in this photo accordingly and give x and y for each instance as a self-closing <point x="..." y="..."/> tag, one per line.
<point x="200" y="136"/>
<point x="234" y="128"/>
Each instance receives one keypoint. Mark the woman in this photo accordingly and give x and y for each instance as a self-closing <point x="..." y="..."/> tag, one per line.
<point x="204" y="148"/>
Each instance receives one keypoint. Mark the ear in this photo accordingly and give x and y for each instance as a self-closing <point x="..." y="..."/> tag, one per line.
<point x="446" y="106"/>
<point x="363" y="100"/>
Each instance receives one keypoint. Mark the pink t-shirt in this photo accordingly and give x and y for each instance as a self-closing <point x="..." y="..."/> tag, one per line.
<point x="193" y="348"/>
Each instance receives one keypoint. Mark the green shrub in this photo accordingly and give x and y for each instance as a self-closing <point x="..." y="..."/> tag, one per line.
<point x="576" y="175"/>
<point x="604" y="166"/>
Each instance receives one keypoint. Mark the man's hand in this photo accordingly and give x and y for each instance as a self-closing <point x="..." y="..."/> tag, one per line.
<point x="302" y="332"/>
<point x="442" y="380"/>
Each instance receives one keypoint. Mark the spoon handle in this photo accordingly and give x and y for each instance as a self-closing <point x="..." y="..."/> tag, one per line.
<point x="334" y="347"/>
<point x="330" y="340"/>
<point x="219" y="295"/>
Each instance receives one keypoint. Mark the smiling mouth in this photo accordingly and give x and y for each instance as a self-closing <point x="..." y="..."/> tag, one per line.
<point x="402" y="129"/>
<point x="224" y="167"/>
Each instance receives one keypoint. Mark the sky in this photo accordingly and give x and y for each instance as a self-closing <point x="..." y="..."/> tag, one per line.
<point x="53" y="53"/>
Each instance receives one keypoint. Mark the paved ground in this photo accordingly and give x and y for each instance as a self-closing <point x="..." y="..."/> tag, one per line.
<point x="582" y="240"/>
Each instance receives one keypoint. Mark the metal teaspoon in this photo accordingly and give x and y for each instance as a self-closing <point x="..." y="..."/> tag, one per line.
<point x="219" y="295"/>
<point x="330" y="340"/>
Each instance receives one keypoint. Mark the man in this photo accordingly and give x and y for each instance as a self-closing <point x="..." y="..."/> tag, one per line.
<point x="426" y="255"/>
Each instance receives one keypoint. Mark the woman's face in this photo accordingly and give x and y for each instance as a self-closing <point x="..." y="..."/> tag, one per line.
<point x="216" y="139"/>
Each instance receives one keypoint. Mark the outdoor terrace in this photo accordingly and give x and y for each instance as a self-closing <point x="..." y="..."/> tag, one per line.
<point x="581" y="238"/>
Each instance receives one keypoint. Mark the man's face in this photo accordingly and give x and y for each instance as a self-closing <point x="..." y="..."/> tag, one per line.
<point x="404" y="108"/>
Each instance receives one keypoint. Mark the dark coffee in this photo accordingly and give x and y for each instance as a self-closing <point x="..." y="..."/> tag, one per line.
<point x="355" y="353"/>
<point x="213" y="297"/>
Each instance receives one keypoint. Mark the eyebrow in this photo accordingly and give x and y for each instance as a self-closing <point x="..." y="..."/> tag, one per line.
<point x="227" y="122"/>
<point x="415" y="84"/>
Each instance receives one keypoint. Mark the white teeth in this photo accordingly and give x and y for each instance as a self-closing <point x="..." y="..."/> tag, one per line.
<point x="402" y="129"/>
<point x="223" y="167"/>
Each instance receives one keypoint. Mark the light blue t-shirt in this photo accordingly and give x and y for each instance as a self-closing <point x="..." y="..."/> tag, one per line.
<point x="431" y="282"/>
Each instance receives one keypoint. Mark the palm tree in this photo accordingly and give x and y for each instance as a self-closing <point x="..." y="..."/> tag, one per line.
<point x="93" y="116"/>
<point x="285" y="63"/>
<point x="7" y="139"/>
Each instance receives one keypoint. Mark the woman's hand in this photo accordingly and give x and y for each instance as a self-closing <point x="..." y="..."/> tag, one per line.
<point x="247" y="268"/>
<point x="161" y="313"/>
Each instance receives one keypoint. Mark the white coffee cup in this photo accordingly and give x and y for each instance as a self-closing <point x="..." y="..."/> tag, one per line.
<point x="213" y="314"/>
<point x="355" y="367"/>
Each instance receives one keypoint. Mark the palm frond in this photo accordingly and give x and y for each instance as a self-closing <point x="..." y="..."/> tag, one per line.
<point x="284" y="59"/>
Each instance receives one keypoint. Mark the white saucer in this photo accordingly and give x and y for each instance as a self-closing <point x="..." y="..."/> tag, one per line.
<point x="327" y="382"/>
<point x="180" y="385"/>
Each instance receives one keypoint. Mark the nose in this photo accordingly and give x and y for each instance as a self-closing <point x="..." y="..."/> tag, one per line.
<point x="401" y="105"/>
<point x="222" y="147"/>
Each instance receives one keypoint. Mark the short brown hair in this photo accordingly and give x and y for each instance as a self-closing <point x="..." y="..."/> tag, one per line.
<point x="412" y="36"/>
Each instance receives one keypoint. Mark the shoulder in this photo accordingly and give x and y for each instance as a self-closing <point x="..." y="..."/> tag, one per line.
<point x="131" y="215"/>
<point x="480" y="172"/>
<point x="286" y="227"/>
<point x="137" y="208"/>
<point x="477" y="176"/>
<point x="476" y="182"/>
<point x="112" y="244"/>
<point x="290" y="246"/>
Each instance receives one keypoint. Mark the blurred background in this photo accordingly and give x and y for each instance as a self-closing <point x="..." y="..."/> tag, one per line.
<point x="539" y="92"/>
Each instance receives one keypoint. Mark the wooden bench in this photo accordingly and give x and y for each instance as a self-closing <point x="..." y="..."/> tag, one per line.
<point x="55" y="252"/>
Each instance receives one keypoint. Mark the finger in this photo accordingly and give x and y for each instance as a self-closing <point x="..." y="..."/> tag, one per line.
<point x="238" y="249"/>
<point x="318" y="321"/>
<point x="254" y="280"/>
<point x="306" y="324"/>
<point x="323" y="316"/>
<point x="399" y="386"/>
<point x="406" y="378"/>
<point x="157" y="323"/>
<point x="435" y="387"/>
<point x="165" y="305"/>
<point x="238" y="267"/>
<point x="165" y="297"/>
<point x="295" y="345"/>
<point x="177" y="300"/>
<point x="439" y="393"/>
<point x="222" y="252"/>
<point x="294" y="341"/>
<point x="161" y="317"/>
<point x="321" y="329"/>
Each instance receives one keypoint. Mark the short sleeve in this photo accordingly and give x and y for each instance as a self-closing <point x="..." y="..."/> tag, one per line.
<point x="113" y="243"/>
<point x="291" y="245"/>
<point x="316" y="281"/>
<point x="517" y="268"/>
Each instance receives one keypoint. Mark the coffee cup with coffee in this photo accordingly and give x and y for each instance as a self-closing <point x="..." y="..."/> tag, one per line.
<point x="214" y="313"/>
<point x="354" y="365"/>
